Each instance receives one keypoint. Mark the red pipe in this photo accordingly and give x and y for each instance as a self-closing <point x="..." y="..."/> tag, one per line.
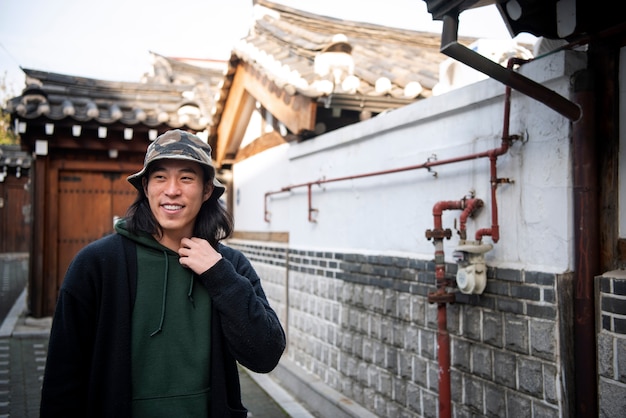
<point x="311" y="210"/>
<point x="441" y="296"/>
<point x="445" y="205"/>
<point x="431" y="163"/>
<point x="494" y="231"/>
<point x="471" y="206"/>
<point x="443" y="357"/>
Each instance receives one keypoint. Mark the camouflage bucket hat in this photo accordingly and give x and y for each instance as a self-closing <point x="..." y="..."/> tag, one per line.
<point x="178" y="145"/>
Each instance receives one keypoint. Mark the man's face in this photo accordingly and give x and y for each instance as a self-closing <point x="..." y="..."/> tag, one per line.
<point x="176" y="191"/>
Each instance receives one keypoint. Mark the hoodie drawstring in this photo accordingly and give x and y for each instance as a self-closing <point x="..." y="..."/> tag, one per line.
<point x="189" y="295"/>
<point x="164" y="296"/>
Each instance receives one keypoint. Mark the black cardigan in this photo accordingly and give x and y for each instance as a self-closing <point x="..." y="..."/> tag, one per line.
<point x="88" y="370"/>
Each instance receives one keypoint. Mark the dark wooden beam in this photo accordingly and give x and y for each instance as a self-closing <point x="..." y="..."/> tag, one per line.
<point x="296" y="112"/>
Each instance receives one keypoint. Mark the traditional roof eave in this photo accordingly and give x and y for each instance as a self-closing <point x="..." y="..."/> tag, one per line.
<point x="12" y="156"/>
<point x="60" y="97"/>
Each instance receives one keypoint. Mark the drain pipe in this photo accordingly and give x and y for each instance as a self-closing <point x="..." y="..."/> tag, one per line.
<point x="587" y="247"/>
<point x="452" y="48"/>
<point x="441" y="296"/>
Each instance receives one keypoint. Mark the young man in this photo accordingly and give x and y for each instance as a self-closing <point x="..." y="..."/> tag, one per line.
<point x="151" y="321"/>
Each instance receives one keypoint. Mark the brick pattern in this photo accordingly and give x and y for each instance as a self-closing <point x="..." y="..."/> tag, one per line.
<point x="611" y="292"/>
<point x="613" y="304"/>
<point x="363" y="324"/>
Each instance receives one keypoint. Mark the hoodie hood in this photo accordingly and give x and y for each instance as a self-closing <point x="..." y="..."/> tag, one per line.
<point x="144" y="239"/>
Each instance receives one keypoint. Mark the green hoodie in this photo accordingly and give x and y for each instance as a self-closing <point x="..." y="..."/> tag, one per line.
<point x="170" y="335"/>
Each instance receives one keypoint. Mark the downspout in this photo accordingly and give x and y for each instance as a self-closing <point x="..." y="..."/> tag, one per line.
<point x="452" y="48"/>
<point x="586" y="247"/>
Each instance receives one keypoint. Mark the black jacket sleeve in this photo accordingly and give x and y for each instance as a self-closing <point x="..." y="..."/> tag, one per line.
<point x="250" y="326"/>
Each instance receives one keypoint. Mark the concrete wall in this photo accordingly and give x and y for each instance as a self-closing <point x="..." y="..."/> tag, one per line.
<point x="352" y="287"/>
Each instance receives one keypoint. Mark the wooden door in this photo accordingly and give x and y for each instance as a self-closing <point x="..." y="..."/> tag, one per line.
<point x="88" y="204"/>
<point x="15" y="215"/>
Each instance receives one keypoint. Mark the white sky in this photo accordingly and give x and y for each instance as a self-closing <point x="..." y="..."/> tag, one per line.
<point x="111" y="39"/>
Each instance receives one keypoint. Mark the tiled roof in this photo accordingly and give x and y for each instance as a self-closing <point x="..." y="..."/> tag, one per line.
<point x="176" y="94"/>
<point x="11" y="156"/>
<point x="284" y="43"/>
<point x="383" y="68"/>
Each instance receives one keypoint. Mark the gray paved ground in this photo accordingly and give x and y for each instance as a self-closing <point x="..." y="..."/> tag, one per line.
<point x="257" y="401"/>
<point x="21" y="370"/>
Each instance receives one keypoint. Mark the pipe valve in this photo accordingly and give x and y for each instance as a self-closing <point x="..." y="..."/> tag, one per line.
<point x="471" y="276"/>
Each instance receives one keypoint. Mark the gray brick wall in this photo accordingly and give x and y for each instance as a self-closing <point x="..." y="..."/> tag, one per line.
<point x="363" y="324"/>
<point x="611" y="309"/>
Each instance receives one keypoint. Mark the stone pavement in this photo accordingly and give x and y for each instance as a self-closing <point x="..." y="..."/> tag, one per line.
<point x="23" y="348"/>
<point x="21" y="369"/>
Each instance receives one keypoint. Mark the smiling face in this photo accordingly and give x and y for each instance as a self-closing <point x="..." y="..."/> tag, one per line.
<point x="176" y="190"/>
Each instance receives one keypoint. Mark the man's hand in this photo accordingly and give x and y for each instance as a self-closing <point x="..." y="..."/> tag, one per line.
<point x="197" y="254"/>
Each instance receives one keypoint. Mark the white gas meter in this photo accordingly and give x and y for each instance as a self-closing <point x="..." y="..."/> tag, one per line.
<point x="471" y="276"/>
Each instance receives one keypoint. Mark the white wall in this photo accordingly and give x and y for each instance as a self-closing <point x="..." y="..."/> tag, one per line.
<point x="390" y="213"/>
<point x="252" y="178"/>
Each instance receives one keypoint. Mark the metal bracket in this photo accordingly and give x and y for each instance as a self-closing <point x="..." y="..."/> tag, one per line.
<point x="452" y="48"/>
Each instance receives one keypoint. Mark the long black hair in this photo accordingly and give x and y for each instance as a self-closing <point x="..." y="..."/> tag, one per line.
<point x="213" y="223"/>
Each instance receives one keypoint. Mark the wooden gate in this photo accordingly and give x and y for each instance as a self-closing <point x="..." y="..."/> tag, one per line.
<point x="15" y="215"/>
<point x="88" y="204"/>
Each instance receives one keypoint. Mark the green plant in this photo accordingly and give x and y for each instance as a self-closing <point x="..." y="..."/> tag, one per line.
<point x="7" y="135"/>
